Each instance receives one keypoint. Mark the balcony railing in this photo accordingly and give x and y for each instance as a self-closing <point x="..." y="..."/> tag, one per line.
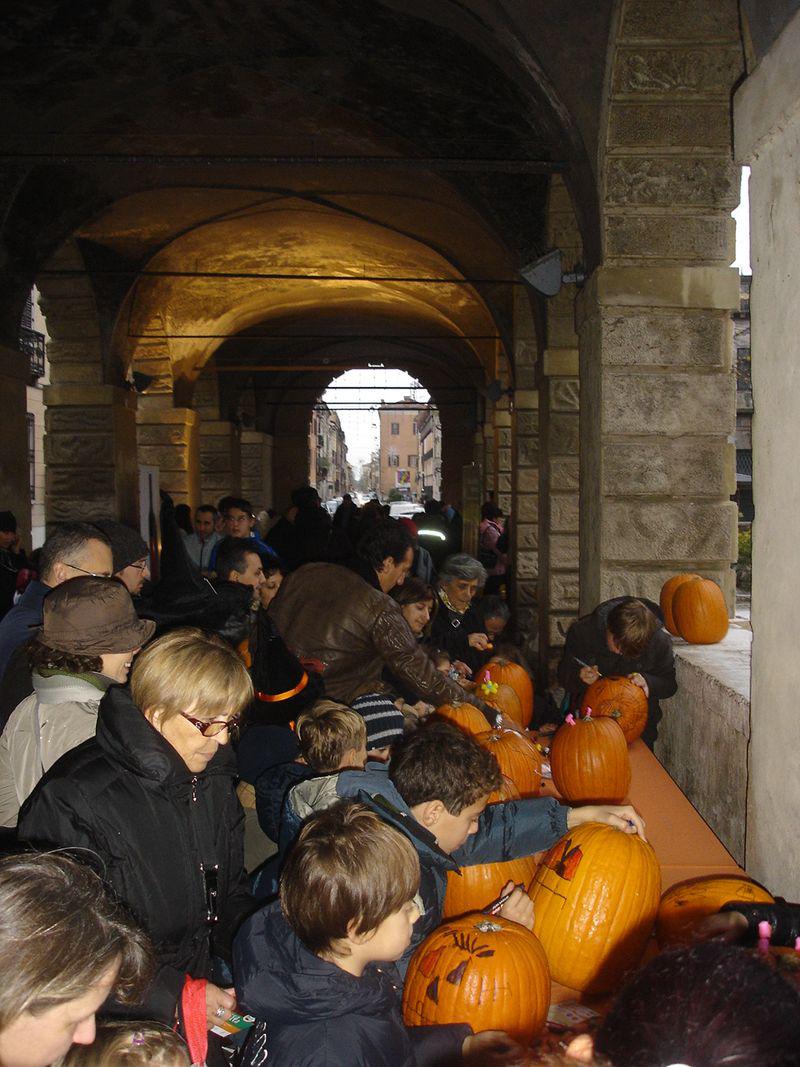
<point x="31" y="342"/>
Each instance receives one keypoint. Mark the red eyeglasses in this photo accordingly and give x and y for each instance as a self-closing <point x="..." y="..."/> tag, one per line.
<point x="212" y="727"/>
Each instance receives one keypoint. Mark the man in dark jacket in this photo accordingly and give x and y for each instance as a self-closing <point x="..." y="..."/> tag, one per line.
<point x="625" y="638"/>
<point x="343" y="617"/>
<point x="12" y="560"/>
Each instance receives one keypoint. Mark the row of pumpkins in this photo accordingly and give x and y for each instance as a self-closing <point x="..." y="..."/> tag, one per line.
<point x="596" y="892"/>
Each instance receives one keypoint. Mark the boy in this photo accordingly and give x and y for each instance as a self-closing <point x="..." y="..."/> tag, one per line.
<point x="436" y="792"/>
<point x="385" y="724"/>
<point x="316" y="968"/>
<point x="330" y="737"/>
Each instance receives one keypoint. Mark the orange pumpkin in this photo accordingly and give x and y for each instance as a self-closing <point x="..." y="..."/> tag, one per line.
<point x="501" y="696"/>
<point x="481" y="970"/>
<point x="504" y="672"/>
<point x="519" y="759"/>
<point x="700" y="612"/>
<point x="465" y="716"/>
<point x="595" y="899"/>
<point x="618" y="699"/>
<point x="589" y="761"/>
<point x="667" y="595"/>
<point x="477" y="886"/>
<point x="685" y="904"/>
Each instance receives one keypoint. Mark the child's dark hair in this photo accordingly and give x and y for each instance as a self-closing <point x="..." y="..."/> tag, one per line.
<point x="712" y="1005"/>
<point x="437" y="655"/>
<point x="440" y="762"/>
<point x="347" y="872"/>
<point x="632" y="625"/>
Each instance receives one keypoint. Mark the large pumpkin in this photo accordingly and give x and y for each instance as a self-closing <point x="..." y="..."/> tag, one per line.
<point x="481" y="970"/>
<point x="505" y="791"/>
<point x="465" y="716"/>
<point x="504" y="671"/>
<point x="519" y="759"/>
<point x="595" y="899"/>
<point x="501" y="696"/>
<point x="667" y="595"/>
<point x="700" y="612"/>
<point x="477" y="886"/>
<point x="589" y="761"/>
<point x="618" y="699"/>
<point x="685" y="904"/>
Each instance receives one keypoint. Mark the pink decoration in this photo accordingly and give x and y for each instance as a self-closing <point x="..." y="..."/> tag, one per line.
<point x="764" y="936"/>
<point x="797" y="944"/>
<point x="588" y="713"/>
<point x="570" y="719"/>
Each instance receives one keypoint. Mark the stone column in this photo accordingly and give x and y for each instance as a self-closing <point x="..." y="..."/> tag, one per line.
<point x="14" y="483"/>
<point x="220" y="459"/>
<point x="767" y="136"/>
<point x="90" y="452"/>
<point x="489" y="475"/>
<point x="502" y="455"/>
<point x="525" y="513"/>
<point x="656" y="415"/>
<point x="290" y="465"/>
<point x="257" y="467"/>
<point x="559" y="503"/>
<point x="169" y="438"/>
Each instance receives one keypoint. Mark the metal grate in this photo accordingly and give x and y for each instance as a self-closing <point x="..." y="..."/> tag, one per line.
<point x="32" y="343"/>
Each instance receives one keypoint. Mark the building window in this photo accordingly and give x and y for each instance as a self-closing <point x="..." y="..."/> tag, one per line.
<point x="395" y="429"/>
<point x="415" y="427"/>
<point x="413" y="461"/>
<point x="30" y="420"/>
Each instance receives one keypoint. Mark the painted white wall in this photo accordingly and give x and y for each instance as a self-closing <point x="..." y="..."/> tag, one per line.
<point x="767" y="136"/>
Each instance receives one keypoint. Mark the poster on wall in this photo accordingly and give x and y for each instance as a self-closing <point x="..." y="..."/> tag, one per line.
<point x="403" y="479"/>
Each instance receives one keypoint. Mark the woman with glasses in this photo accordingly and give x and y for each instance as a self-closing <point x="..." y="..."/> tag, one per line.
<point x="152" y="795"/>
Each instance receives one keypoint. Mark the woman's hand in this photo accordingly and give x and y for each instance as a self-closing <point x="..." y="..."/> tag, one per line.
<point x="494" y="1048"/>
<point x="519" y="906"/>
<point x="462" y="668"/>
<point x="219" y="1004"/>
<point x="589" y="675"/>
<point x="479" y="641"/>
<point x="622" y="816"/>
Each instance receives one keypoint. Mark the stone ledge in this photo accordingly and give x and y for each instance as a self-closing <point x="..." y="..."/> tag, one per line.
<point x="704" y="735"/>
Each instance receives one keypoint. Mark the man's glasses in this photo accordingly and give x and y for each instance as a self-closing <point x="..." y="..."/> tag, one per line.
<point x="140" y="564"/>
<point x="92" y="574"/>
<point x="212" y="727"/>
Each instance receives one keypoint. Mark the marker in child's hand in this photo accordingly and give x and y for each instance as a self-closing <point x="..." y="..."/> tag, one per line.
<point x="496" y="905"/>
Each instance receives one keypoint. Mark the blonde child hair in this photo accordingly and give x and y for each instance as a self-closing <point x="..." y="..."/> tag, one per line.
<point x="130" y="1044"/>
<point x="326" y="732"/>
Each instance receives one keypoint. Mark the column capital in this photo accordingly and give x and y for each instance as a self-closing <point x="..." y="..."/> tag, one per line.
<point x="715" y="288"/>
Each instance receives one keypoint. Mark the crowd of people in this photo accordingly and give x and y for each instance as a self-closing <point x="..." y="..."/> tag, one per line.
<point x="293" y="667"/>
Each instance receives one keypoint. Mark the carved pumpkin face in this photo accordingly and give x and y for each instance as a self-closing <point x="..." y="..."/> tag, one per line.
<point x="595" y="897"/>
<point x="481" y="970"/>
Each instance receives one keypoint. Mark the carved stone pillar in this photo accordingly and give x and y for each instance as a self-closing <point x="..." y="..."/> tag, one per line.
<point x="14" y="483"/>
<point x="502" y="455"/>
<point x="169" y="438"/>
<point x="257" y="467"/>
<point x="90" y="452"/>
<point x="220" y="460"/>
<point x="656" y="418"/>
<point x="525" y="512"/>
<point x="559" y="503"/>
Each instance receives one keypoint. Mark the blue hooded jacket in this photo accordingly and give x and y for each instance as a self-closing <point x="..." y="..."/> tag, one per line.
<point x="313" y="1014"/>
<point x="505" y="831"/>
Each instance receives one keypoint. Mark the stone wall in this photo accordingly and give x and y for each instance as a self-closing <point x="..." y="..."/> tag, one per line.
<point x="767" y="118"/>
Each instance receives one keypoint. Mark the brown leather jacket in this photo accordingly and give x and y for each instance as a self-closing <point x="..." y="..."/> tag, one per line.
<point x="327" y="612"/>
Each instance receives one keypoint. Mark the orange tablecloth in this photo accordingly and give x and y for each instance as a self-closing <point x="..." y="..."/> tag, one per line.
<point x="685" y="845"/>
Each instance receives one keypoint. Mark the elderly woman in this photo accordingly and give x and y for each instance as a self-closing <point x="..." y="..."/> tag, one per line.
<point x="455" y="629"/>
<point x="65" y="946"/>
<point x="88" y="639"/>
<point x="152" y="795"/>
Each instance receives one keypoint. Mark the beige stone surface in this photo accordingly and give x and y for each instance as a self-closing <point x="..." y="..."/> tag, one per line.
<point x="653" y="338"/>
<point x="670" y="125"/>
<point x="681" y="181"/>
<point x="680" y="20"/>
<point x="668" y="466"/>
<point x="691" y="238"/>
<point x="668" y="403"/>
<point x="564" y="593"/>
<point x="564" y="472"/>
<point x="654" y="71"/>
<point x="677" y="530"/>
<point x="563" y="551"/>
<point x="564" y="513"/>
<point x="561" y="361"/>
<point x="647" y="286"/>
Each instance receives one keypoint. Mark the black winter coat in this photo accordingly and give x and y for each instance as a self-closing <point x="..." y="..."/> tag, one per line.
<point x="127" y="796"/>
<point x="586" y="640"/>
<point x="314" y="1014"/>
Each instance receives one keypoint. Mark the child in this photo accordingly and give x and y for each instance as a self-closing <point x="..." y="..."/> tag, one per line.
<point x="385" y="724"/>
<point x="316" y="967"/>
<point x="436" y="792"/>
<point x="330" y="736"/>
<point x="130" y="1044"/>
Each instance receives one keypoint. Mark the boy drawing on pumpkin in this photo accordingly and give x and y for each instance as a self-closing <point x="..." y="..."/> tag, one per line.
<point x="316" y="967"/>
<point x="436" y="792"/>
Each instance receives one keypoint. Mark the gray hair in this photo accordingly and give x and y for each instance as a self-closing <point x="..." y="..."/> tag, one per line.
<point x="463" y="567"/>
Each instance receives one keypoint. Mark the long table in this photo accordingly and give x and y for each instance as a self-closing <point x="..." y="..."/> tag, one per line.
<point x="684" y="843"/>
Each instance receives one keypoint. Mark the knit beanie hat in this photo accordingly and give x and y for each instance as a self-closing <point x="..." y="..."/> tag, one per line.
<point x="127" y="545"/>
<point x="384" y="721"/>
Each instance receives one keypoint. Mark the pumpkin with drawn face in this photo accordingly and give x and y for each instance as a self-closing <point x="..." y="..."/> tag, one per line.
<point x="595" y="899"/>
<point x="481" y="970"/>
